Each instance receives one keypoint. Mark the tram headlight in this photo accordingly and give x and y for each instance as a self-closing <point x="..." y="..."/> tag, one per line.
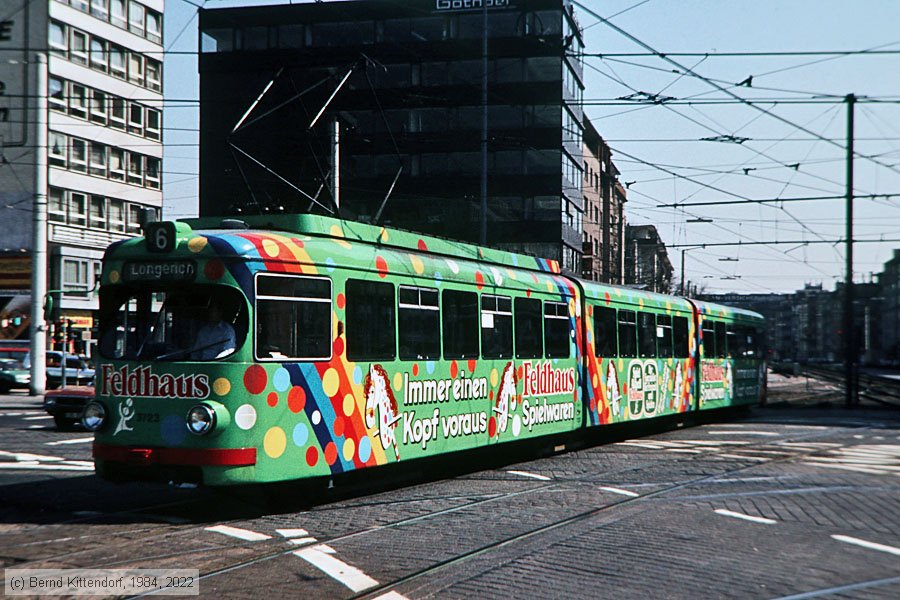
<point x="201" y="419"/>
<point x="94" y="416"/>
<point x="208" y="418"/>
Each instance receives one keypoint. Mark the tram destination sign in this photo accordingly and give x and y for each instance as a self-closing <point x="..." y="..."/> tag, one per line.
<point x="176" y="270"/>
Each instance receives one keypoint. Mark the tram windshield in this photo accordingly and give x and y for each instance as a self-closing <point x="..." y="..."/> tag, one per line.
<point x="168" y="323"/>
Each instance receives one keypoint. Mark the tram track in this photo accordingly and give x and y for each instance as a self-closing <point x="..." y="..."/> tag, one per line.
<point x="172" y="534"/>
<point x="538" y="488"/>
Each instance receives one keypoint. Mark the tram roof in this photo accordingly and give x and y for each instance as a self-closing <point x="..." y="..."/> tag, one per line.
<point x="328" y="227"/>
<point x="722" y="310"/>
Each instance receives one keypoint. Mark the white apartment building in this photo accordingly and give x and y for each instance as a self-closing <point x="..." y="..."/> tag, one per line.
<point x="104" y="141"/>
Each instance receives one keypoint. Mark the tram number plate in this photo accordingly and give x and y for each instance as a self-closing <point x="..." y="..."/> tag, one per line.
<point x="147" y="417"/>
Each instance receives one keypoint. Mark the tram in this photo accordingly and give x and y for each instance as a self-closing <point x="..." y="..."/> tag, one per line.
<point x="277" y="348"/>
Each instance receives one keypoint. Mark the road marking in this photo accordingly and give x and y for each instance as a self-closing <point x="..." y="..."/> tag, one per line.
<point x="870" y="545"/>
<point x="292" y="533"/>
<point x="297" y="537"/>
<point x="728" y="513"/>
<point x="36" y="427"/>
<point x="25" y="457"/>
<point x="619" y="491"/>
<point x="759" y="433"/>
<point x="83" y="440"/>
<point x="391" y="596"/>
<point x="13" y="414"/>
<point x="742" y="457"/>
<point x="841" y="589"/>
<point x="237" y="532"/>
<point x="36" y="466"/>
<point x="532" y="475"/>
<point x="321" y="557"/>
<point x="41" y="418"/>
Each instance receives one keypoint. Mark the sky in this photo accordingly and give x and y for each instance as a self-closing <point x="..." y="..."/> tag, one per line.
<point x="684" y="132"/>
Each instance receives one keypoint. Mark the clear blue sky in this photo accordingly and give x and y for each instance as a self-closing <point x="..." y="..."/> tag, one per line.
<point x="659" y="147"/>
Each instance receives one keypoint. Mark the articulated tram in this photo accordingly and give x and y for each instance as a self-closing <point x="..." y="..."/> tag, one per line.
<point x="288" y="347"/>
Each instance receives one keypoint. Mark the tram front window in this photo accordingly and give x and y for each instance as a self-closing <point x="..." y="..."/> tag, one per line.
<point x="187" y="323"/>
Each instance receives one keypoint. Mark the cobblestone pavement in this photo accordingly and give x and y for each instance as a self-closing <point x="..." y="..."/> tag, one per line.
<point x="786" y="501"/>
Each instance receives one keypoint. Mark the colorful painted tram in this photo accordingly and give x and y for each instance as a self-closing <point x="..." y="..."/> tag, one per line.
<point x="290" y="347"/>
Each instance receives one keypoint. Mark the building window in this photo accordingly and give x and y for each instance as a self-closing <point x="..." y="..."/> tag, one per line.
<point x="116" y="215"/>
<point x="136" y="14"/>
<point x="118" y="14"/>
<point x="154" y="26"/>
<point x="152" y="172"/>
<point x="136" y="119"/>
<point x="98" y="159"/>
<point x="117" y="164"/>
<point x="154" y="127"/>
<point x="136" y="68"/>
<point x="118" y="63"/>
<point x="154" y="74"/>
<point x="97" y="217"/>
<point x="56" y="91"/>
<point x="78" y="102"/>
<point x="78" y="47"/>
<point x="77" y="155"/>
<point x="135" y="168"/>
<point x="134" y="218"/>
<point x="98" y="107"/>
<point x="58" y="155"/>
<point x="75" y="277"/>
<point x="56" y="205"/>
<point x="59" y="42"/>
<point x="77" y="209"/>
<point x="117" y="108"/>
<point x="99" y="59"/>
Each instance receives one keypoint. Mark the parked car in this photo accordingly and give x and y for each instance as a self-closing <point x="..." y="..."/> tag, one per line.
<point x="78" y="372"/>
<point x="66" y="404"/>
<point x="16" y="353"/>
<point x="13" y="376"/>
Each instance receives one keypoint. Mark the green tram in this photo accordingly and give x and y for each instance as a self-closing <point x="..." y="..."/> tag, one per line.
<point x="287" y="347"/>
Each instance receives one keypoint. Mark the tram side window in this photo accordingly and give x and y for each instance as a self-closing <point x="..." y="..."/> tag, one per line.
<point x="496" y="327"/>
<point x="529" y="338"/>
<point x="647" y="334"/>
<point x="709" y="339"/>
<point x="418" y="323"/>
<point x="664" y="336"/>
<point x="721" y="343"/>
<point x="627" y="334"/>
<point x="293" y="317"/>
<point x="556" y="329"/>
<point x="371" y="315"/>
<point x="605" y="331"/>
<point x="680" y="337"/>
<point x="460" y="323"/>
<point x="736" y="338"/>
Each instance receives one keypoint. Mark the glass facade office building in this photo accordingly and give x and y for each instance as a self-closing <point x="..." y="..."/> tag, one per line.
<point x="413" y="104"/>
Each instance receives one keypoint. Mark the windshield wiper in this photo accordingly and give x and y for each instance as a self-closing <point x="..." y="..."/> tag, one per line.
<point x="191" y="350"/>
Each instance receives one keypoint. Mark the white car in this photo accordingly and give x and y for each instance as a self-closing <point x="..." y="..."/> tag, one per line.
<point x="77" y="370"/>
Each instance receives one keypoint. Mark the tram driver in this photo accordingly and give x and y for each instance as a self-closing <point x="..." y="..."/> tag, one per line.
<point x="215" y="338"/>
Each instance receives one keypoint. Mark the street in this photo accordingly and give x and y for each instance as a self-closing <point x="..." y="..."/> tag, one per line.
<point x="789" y="500"/>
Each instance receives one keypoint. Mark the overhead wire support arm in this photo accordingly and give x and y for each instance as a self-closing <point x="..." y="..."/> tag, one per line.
<point x="257" y="101"/>
<point x="330" y="98"/>
<point x="271" y="172"/>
